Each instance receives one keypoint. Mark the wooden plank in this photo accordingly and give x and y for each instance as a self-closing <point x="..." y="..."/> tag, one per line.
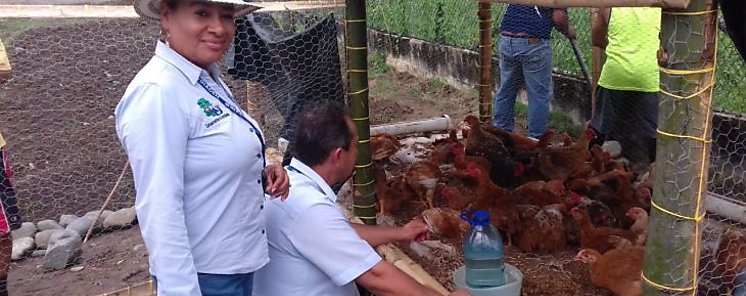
<point x="127" y="11"/>
<point x="4" y="63"/>
<point x="392" y="254"/>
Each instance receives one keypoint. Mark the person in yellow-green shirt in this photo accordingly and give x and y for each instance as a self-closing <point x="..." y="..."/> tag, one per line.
<point x="9" y="216"/>
<point x="627" y="94"/>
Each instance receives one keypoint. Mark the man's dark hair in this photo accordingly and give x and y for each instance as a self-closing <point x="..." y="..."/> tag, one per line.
<point x="320" y="130"/>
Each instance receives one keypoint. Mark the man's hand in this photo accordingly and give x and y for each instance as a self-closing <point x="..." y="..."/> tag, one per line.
<point x="277" y="183"/>
<point x="415" y="230"/>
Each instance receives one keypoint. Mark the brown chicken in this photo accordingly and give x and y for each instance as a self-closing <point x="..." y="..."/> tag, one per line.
<point x="424" y="177"/>
<point x="517" y="142"/>
<point x="443" y="148"/>
<point x="391" y="194"/>
<point x="624" y="198"/>
<point x="504" y="170"/>
<point x="457" y="198"/>
<point x="731" y="262"/>
<point x="617" y="270"/>
<point x="600" y="213"/>
<point x="446" y="223"/>
<point x="598" y="238"/>
<point x="539" y="229"/>
<point x="382" y="146"/>
<point x="640" y="227"/>
<point x="539" y="193"/>
<point x="566" y="162"/>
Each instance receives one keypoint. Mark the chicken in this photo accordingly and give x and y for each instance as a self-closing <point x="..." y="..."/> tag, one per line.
<point x="617" y="270"/>
<point x="516" y="142"/>
<point x="539" y="193"/>
<point x="595" y="183"/>
<point x="640" y="227"/>
<point x="424" y="177"/>
<point x="566" y="162"/>
<point x="446" y="223"/>
<point x="624" y="198"/>
<point x="458" y="198"/>
<point x="487" y="193"/>
<point x="382" y="146"/>
<point x="597" y="238"/>
<point x="443" y="149"/>
<point x="539" y="229"/>
<point x="599" y="212"/>
<point x="391" y="194"/>
<point x="504" y="170"/>
<point x="731" y="262"/>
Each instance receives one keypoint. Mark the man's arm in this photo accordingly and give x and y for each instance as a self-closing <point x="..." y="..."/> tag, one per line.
<point x="562" y="23"/>
<point x="386" y="279"/>
<point x="377" y="235"/>
<point x="600" y="27"/>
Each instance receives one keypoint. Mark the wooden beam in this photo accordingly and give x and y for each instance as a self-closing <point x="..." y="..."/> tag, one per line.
<point x="127" y="11"/>
<point x="4" y="63"/>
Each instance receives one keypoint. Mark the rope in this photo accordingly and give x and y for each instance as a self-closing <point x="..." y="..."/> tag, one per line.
<point x="690" y="13"/>
<point x="358" y="92"/>
<point x="686" y="72"/>
<point x="662" y="287"/>
<point x="363" y="165"/>
<point x="699" y="92"/>
<point x="683" y="137"/>
<point x="361" y="118"/>
<point x="356" y="48"/>
<point x="363" y="184"/>
<point x="364" y="207"/>
<point x="696" y="219"/>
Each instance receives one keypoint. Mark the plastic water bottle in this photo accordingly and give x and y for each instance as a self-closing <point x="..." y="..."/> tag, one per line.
<point x="483" y="252"/>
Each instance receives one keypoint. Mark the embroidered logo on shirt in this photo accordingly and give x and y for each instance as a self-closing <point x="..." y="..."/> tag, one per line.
<point x="209" y="109"/>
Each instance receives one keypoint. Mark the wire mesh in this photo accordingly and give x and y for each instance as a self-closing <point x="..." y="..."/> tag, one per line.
<point x="56" y="111"/>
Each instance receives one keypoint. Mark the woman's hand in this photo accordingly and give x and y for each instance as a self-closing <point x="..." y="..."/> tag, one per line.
<point x="277" y="183"/>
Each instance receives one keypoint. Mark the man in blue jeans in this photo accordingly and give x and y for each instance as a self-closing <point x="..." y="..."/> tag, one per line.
<point x="526" y="57"/>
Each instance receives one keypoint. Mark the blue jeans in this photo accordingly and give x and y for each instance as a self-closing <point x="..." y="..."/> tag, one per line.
<point x="222" y="284"/>
<point x="522" y="62"/>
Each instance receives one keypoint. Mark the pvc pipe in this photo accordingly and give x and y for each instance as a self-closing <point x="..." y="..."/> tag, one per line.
<point x="428" y="125"/>
<point x="725" y="207"/>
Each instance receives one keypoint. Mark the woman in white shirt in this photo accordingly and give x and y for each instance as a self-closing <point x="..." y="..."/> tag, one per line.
<point x="197" y="158"/>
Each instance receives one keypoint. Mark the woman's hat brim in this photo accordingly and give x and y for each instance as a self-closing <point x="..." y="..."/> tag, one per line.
<point x="150" y="9"/>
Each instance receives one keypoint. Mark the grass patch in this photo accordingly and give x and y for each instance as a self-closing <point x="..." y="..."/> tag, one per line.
<point x="377" y="66"/>
<point x="558" y="122"/>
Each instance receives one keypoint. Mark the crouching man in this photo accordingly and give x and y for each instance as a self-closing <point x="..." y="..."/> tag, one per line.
<point x="313" y="248"/>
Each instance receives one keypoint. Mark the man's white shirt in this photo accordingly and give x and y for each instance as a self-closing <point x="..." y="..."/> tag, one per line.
<point x="313" y="249"/>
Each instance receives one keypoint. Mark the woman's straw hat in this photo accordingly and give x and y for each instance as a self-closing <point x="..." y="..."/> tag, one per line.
<point x="150" y="9"/>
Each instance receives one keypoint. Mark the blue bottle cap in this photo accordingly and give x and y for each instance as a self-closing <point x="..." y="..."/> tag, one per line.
<point x="480" y="217"/>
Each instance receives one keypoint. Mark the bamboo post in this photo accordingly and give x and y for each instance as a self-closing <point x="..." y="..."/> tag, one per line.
<point x="4" y="63"/>
<point x="485" y="61"/>
<point x="356" y="41"/>
<point x="684" y="136"/>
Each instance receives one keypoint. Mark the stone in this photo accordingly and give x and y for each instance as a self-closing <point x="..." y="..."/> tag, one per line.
<point x="21" y="246"/>
<point x="47" y="225"/>
<point x="27" y="229"/>
<point x="65" y="247"/>
<point x="42" y="238"/>
<point x="138" y="247"/>
<point x="38" y="253"/>
<point x="613" y="148"/>
<point x="121" y="219"/>
<point x="101" y="218"/>
<point x="81" y="225"/>
<point x="67" y="219"/>
<point x="77" y="268"/>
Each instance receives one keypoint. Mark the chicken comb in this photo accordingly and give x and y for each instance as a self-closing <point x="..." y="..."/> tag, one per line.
<point x="519" y="170"/>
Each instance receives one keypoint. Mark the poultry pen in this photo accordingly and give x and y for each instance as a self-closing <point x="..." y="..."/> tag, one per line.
<point x="558" y="272"/>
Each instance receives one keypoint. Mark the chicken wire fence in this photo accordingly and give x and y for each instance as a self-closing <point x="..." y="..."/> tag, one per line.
<point x="68" y="75"/>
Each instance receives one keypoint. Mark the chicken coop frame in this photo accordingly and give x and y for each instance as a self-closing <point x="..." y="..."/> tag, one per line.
<point x="673" y="247"/>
